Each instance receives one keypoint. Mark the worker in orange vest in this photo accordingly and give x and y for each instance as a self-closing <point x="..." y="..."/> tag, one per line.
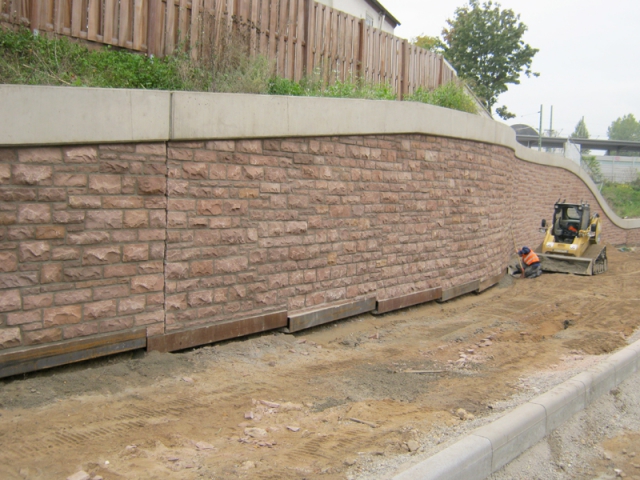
<point x="531" y="262"/>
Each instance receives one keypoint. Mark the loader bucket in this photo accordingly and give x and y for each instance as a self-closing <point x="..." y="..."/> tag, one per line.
<point x="593" y="262"/>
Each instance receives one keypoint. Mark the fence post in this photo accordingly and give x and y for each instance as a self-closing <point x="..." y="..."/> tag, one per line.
<point x="360" y="58"/>
<point x="404" y="70"/>
<point x="34" y="18"/>
<point x="154" y="28"/>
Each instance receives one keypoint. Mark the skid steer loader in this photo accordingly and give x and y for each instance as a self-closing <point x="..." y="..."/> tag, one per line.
<point x="572" y="241"/>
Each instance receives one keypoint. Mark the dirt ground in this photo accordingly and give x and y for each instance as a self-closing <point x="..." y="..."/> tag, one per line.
<point x="354" y="399"/>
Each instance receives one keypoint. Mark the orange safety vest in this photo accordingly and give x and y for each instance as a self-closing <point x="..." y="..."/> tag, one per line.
<point x="531" y="258"/>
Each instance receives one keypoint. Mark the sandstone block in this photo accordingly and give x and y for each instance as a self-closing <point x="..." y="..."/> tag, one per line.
<point x="209" y="207"/>
<point x="195" y="171"/>
<point x="135" y="253"/>
<point x="101" y="255"/>
<point x="67" y="217"/>
<point x="50" y="232"/>
<point x="199" y="299"/>
<point x="131" y="305"/>
<point x="111" y="271"/>
<point x="8" y="218"/>
<point x="10" y="337"/>
<point x="8" y="261"/>
<point x="62" y="315"/>
<point x="21" y="318"/>
<point x="105" y="184"/>
<point x="36" y="337"/>
<point x="85" y="201"/>
<point x="113" y="291"/>
<point x="40" y="155"/>
<point x="72" y="296"/>
<point x="232" y="265"/>
<point x="95" y="310"/>
<point x="87" y="238"/>
<point x="32" y="174"/>
<point x="147" y="283"/>
<point x="38" y="301"/>
<point x="80" y="330"/>
<point x="78" y="274"/>
<point x="181" y="205"/>
<point x="116" y="324"/>
<point x="65" y="253"/>
<point x="69" y="180"/>
<point x="249" y="146"/>
<point x="176" y="302"/>
<point x="149" y="318"/>
<point x="80" y="155"/>
<point x="176" y="271"/>
<point x="19" y="279"/>
<point x="5" y="173"/>
<point x="201" y="268"/>
<point x="103" y="219"/>
<point x="10" y="300"/>
<point x="177" y="219"/>
<point x="34" y="251"/>
<point x="34" y="213"/>
<point x="152" y="185"/>
<point x="122" y="202"/>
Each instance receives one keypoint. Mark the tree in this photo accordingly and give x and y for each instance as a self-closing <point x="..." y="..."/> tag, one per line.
<point x="428" y="43"/>
<point x="625" y="128"/>
<point x="485" y="46"/>
<point x="581" y="132"/>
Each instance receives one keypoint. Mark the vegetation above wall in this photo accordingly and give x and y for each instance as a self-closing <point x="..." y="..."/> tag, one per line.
<point x="623" y="198"/>
<point x="38" y="60"/>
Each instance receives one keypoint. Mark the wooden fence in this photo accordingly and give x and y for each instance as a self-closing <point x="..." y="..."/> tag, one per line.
<point x="299" y="36"/>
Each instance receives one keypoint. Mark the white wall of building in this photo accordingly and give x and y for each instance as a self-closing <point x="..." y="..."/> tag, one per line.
<point x="361" y="9"/>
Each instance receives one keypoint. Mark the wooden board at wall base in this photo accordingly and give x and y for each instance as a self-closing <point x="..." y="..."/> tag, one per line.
<point x="458" y="290"/>
<point x="30" y="359"/>
<point x="486" y="283"/>
<point x="303" y="320"/>
<point x="416" y="298"/>
<point x="171" y="342"/>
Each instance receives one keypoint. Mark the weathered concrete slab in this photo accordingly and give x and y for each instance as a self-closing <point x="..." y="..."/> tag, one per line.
<point x="514" y="433"/>
<point x="562" y="402"/>
<point x="309" y="319"/>
<point x="468" y="459"/>
<point x="39" y="115"/>
<point x="390" y="304"/>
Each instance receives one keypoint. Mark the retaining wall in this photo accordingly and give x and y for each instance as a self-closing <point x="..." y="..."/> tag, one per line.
<point x="171" y="220"/>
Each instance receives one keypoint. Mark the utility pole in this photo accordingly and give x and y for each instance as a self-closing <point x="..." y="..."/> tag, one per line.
<point x="540" y="131"/>
<point x="551" y="123"/>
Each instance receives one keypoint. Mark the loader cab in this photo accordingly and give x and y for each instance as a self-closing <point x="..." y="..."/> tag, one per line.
<point x="568" y="220"/>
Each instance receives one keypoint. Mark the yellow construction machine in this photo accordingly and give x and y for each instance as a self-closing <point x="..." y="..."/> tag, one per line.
<point x="572" y="241"/>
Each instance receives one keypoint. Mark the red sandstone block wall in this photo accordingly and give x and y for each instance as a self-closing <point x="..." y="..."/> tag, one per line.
<point x="82" y="241"/>
<point x="96" y="239"/>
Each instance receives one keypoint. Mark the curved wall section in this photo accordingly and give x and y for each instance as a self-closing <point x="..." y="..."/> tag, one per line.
<point x="248" y="213"/>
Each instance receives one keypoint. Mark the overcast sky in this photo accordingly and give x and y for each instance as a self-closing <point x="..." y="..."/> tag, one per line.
<point x="589" y="58"/>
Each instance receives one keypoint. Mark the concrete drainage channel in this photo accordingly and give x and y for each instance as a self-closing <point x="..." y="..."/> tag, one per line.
<point x="489" y="448"/>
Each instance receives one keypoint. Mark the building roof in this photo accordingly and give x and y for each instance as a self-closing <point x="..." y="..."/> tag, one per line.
<point x="378" y="6"/>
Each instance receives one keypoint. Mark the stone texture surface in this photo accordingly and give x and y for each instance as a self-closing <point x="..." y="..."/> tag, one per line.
<point x="73" y="219"/>
<point x="103" y="238"/>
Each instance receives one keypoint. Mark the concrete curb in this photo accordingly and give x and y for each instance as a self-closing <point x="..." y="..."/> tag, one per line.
<point x="489" y="448"/>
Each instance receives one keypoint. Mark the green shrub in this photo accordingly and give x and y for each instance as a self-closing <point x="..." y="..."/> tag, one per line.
<point x="40" y="60"/>
<point x="450" y="95"/>
<point x="623" y="198"/>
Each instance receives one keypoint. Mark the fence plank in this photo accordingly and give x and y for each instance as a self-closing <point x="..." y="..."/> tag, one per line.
<point x="124" y="21"/>
<point x="94" y="19"/>
<point x="263" y="27"/>
<point x="34" y="15"/>
<point x="139" y="24"/>
<point x="194" y="28"/>
<point x="311" y="37"/>
<point x="299" y="39"/>
<point x="170" y="28"/>
<point x="183" y="23"/>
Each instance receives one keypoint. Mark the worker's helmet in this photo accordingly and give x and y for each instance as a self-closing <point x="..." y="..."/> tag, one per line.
<point x="524" y="251"/>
